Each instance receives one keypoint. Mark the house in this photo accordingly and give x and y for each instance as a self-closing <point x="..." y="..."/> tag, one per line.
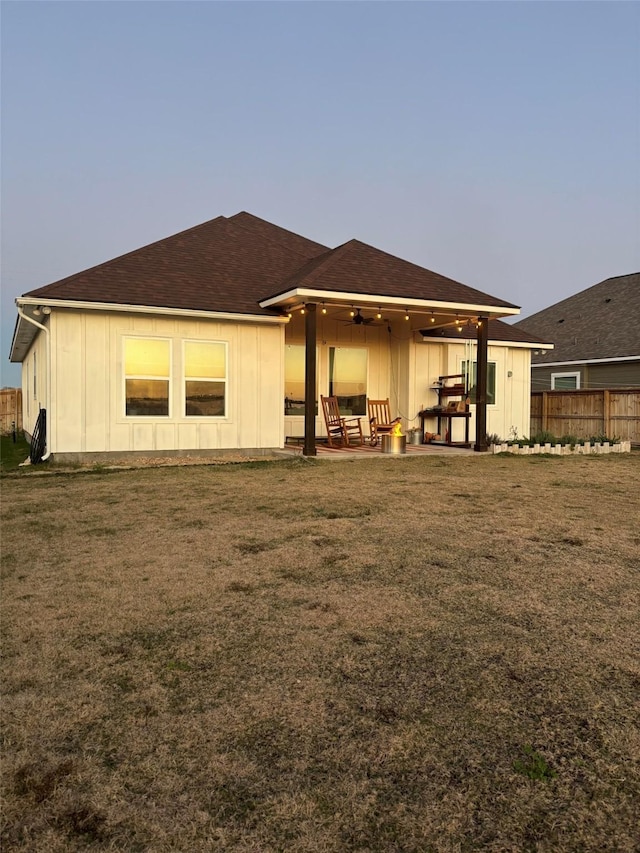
<point x="596" y="337"/>
<point x="222" y="337"/>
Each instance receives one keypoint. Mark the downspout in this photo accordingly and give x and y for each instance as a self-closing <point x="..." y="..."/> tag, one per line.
<point x="46" y="330"/>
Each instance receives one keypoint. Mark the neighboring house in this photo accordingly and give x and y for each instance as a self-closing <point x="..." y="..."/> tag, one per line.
<point x="596" y="337"/>
<point x="198" y="343"/>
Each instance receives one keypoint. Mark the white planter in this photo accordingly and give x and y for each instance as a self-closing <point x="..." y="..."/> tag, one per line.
<point x="562" y="449"/>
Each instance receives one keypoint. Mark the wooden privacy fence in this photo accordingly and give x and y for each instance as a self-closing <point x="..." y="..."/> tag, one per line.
<point x="587" y="412"/>
<point x="10" y="409"/>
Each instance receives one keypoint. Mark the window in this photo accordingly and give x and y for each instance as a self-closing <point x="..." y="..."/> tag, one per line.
<point x="565" y="381"/>
<point x="205" y="379"/>
<point x="491" y="381"/>
<point x="147" y="373"/>
<point x="348" y="379"/>
<point x="35" y="378"/>
<point x="294" y="397"/>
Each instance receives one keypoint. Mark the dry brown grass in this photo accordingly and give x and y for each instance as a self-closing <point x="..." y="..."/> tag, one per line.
<point x="412" y="655"/>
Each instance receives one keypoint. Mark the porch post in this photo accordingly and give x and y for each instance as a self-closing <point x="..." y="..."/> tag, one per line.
<point x="310" y="390"/>
<point x="481" y="386"/>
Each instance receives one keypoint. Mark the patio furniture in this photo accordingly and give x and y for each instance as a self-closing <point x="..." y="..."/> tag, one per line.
<point x="341" y="431"/>
<point x="458" y="408"/>
<point x="380" y="422"/>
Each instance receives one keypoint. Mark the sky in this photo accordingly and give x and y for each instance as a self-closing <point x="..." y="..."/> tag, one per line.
<point x="496" y="143"/>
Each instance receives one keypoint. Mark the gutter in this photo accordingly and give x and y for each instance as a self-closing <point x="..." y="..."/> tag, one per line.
<point x="153" y="309"/>
<point x="46" y="330"/>
<point x="586" y="361"/>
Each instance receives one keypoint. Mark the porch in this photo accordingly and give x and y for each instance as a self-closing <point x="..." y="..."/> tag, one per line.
<point x="295" y="447"/>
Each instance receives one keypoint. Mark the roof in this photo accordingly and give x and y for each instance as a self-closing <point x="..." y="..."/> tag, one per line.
<point x="498" y="331"/>
<point x="226" y="264"/>
<point x="243" y="265"/>
<point x="232" y="264"/>
<point x="601" y="322"/>
<point x="359" y="268"/>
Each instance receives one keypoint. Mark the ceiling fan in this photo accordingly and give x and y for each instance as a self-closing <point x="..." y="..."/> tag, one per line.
<point x="359" y="320"/>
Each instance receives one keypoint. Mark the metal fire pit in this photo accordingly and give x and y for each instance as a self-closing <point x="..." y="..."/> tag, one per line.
<point x="394" y="444"/>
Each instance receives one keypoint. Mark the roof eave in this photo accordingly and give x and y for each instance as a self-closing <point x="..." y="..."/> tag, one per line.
<point x="151" y="309"/>
<point x="299" y="295"/>
<point x="594" y="360"/>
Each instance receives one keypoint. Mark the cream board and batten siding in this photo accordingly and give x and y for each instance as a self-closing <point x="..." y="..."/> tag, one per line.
<point x="32" y="402"/>
<point x="88" y="404"/>
<point x="513" y="393"/>
<point x="430" y="362"/>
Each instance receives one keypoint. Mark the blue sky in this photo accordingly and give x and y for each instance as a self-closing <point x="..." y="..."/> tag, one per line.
<point x="497" y="143"/>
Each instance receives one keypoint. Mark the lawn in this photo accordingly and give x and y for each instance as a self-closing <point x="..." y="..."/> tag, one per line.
<point x="408" y="655"/>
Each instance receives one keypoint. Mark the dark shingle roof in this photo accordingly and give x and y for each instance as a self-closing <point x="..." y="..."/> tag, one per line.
<point x="602" y="321"/>
<point x="356" y="267"/>
<point x="231" y="264"/>
<point x="226" y="264"/>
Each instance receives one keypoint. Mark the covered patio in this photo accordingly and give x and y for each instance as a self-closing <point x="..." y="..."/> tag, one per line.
<point x="362" y="287"/>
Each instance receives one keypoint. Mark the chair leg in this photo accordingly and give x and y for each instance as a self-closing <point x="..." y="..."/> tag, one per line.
<point x="373" y="438"/>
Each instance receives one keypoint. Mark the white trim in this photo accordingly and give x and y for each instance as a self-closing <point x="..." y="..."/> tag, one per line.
<point x="401" y="302"/>
<point x="462" y="368"/>
<point x="48" y="395"/>
<point x="555" y="376"/>
<point x="586" y="361"/>
<point x="125" y="376"/>
<point x="148" y="309"/>
<point x="224" y="380"/>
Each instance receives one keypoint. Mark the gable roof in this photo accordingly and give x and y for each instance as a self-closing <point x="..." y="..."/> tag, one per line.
<point x="356" y="267"/>
<point x="600" y="322"/>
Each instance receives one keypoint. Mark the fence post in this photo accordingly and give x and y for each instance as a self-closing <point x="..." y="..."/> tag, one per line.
<point x="606" y="412"/>
<point x="545" y="414"/>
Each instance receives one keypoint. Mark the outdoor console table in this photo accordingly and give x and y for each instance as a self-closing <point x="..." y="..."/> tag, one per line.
<point x="448" y="416"/>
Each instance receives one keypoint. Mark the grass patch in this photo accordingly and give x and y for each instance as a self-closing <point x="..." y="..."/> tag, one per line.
<point x="534" y="766"/>
<point x="12" y="454"/>
<point x="454" y="668"/>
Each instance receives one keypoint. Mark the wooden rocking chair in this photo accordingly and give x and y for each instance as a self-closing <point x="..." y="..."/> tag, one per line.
<point x="380" y="422"/>
<point x="341" y="431"/>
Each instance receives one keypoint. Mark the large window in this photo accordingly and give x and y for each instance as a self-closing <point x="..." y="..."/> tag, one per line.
<point x="205" y="379"/>
<point x="294" y="384"/>
<point x="491" y="380"/>
<point x="147" y="371"/>
<point x="565" y="381"/>
<point x="348" y="379"/>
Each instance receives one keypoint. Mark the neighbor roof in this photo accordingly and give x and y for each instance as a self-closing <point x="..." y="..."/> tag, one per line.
<point x="600" y="322"/>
